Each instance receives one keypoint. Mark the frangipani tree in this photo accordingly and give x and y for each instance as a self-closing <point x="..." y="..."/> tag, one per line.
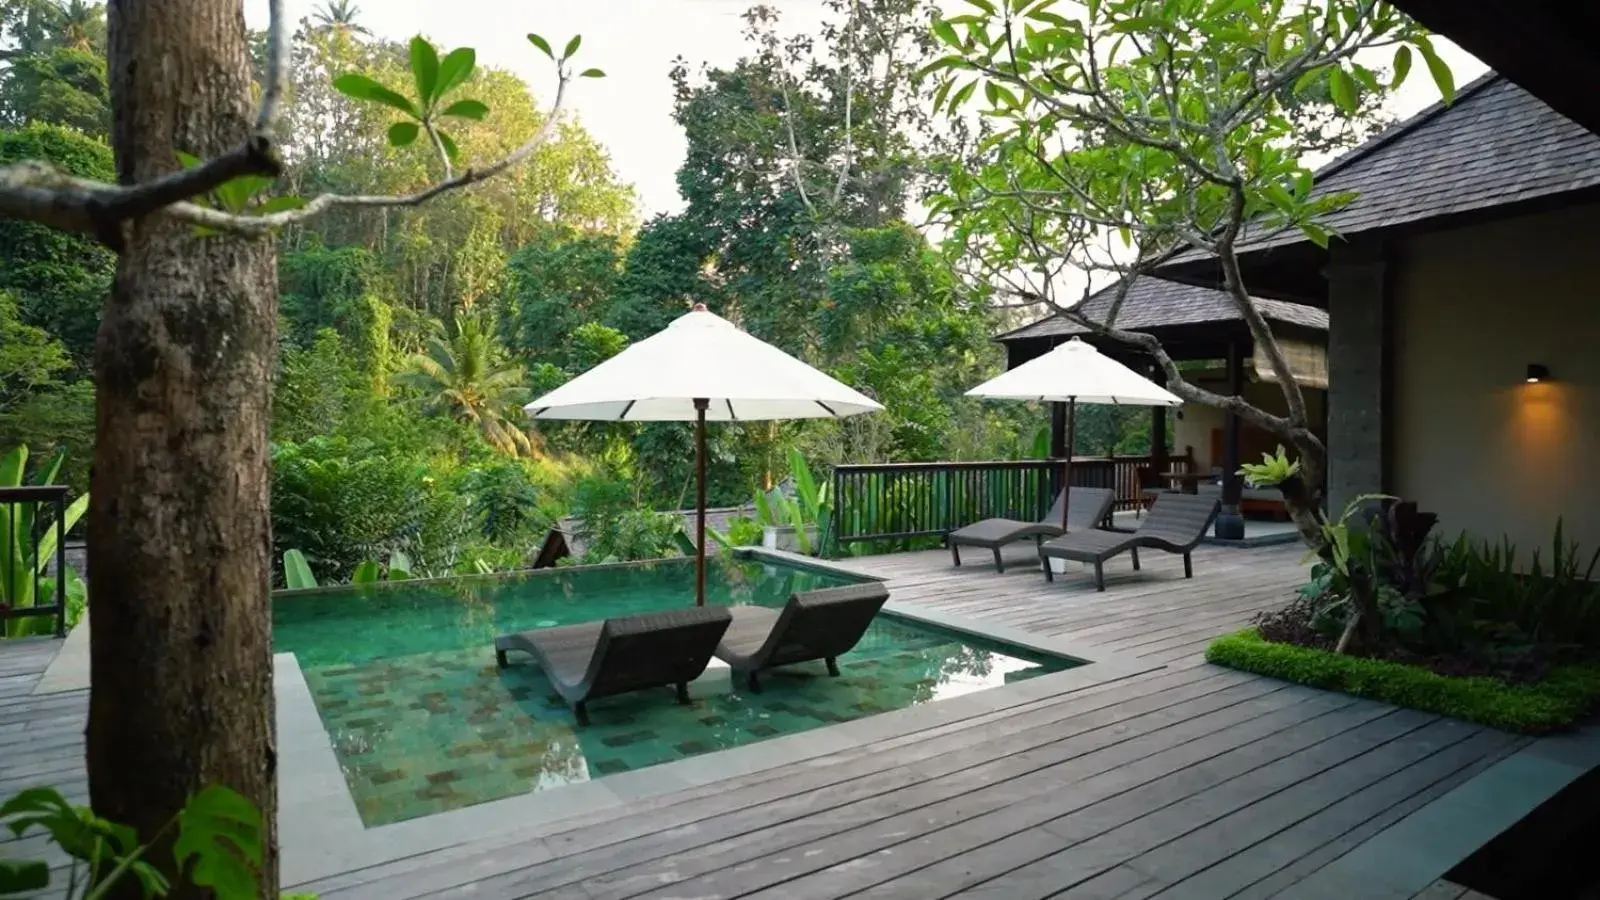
<point x="1122" y="131"/>
<point x="179" y="530"/>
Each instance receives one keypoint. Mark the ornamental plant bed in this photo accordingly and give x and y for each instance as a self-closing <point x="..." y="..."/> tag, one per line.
<point x="1564" y="693"/>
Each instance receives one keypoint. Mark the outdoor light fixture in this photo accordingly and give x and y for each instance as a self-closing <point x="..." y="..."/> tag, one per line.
<point x="1538" y="372"/>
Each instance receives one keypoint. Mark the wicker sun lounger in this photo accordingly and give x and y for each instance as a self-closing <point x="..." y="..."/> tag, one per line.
<point x="616" y="656"/>
<point x="1176" y="524"/>
<point x="820" y="624"/>
<point x="1089" y="507"/>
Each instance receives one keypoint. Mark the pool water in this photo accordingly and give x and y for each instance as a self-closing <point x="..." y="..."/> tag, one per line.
<point x="422" y="721"/>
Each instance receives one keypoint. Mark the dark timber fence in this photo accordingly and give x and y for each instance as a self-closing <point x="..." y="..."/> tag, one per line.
<point x="22" y="528"/>
<point x="896" y="501"/>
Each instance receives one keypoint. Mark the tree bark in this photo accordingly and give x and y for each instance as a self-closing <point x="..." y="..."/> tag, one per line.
<point x="179" y="543"/>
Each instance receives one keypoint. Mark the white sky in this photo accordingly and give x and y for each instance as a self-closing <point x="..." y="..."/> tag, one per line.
<point x="635" y="41"/>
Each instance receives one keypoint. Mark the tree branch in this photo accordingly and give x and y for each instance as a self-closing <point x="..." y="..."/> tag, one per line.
<point x="40" y="193"/>
<point x="849" y="102"/>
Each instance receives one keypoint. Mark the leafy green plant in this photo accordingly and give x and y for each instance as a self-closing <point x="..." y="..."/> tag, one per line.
<point x="297" y="574"/>
<point x="1274" y="469"/>
<point x="218" y="842"/>
<point x="242" y="195"/>
<point x="1565" y="695"/>
<point x="743" y="531"/>
<point x="614" y="527"/>
<point x="434" y="79"/>
<point x="810" y="507"/>
<point x="22" y="562"/>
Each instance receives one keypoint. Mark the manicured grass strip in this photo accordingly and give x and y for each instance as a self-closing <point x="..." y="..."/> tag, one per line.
<point x="1554" y="703"/>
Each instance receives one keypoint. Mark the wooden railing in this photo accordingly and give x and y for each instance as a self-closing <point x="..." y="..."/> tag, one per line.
<point x="896" y="501"/>
<point x="22" y="528"/>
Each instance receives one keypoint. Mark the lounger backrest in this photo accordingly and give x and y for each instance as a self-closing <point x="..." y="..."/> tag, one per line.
<point x="1089" y="507"/>
<point x="656" y="648"/>
<point x="1179" y="519"/>
<point x="823" y="623"/>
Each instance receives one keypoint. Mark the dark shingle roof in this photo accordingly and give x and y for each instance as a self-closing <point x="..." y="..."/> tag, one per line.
<point x="1496" y="145"/>
<point x="1152" y="303"/>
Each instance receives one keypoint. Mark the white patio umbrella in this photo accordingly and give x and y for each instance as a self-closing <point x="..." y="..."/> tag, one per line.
<point x="701" y="368"/>
<point x="1074" y="373"/>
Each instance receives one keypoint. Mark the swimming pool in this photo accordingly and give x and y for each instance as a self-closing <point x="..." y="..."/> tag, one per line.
<point x="421" y="720"/>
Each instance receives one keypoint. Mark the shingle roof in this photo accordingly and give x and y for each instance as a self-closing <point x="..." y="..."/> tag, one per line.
<point x="1152" y="303"/>
<point x="1496" y="144"/>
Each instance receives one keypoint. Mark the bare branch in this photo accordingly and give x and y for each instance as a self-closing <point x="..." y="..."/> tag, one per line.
<point x="794" y="146"/>
<point x="849" y="102"/>
<point x="277" y="69"/>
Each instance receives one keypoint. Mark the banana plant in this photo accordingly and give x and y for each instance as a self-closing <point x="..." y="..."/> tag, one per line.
<point x="24" y="562"/>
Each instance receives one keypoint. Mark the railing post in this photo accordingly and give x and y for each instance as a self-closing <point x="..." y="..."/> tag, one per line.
<point x="61" y="565"/>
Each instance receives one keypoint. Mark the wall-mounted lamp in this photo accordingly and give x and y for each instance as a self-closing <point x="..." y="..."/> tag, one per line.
<point x="1538" y="372"/>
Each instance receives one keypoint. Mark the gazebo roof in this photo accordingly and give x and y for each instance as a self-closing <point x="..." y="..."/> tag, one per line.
<point x="1496" y="150"/>
<point x="1171" y="309"/>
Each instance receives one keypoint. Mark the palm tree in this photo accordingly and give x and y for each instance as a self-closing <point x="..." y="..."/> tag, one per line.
<point x="466" y="377"/>
<point x="340" y="16"/>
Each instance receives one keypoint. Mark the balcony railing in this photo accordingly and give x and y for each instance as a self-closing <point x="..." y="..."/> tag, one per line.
<point x="23" y="530"/>
<point x="899" y="501"/>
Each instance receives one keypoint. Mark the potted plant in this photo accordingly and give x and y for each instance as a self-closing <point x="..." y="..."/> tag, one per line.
<point x="790" y="523"/>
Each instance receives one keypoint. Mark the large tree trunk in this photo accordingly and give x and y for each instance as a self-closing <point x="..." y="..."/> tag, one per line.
<point x="179" y="538"/>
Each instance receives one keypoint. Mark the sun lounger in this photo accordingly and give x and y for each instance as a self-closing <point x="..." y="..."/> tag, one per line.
<point x="820" y="624"/>
<point x="600" y="659"/>
<point x="1090" y="506"/>
<point x="1176" y="523"/>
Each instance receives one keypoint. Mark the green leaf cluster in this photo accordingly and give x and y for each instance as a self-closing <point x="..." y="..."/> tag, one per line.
<point x="433" y="80"/>
<point x="219" y="844"/>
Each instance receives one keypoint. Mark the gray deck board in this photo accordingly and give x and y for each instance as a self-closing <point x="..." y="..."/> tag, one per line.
<point x="1189" y="781"/>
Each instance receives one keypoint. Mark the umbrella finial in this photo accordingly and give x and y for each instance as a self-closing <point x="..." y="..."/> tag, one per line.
<point x="698" y="307"/>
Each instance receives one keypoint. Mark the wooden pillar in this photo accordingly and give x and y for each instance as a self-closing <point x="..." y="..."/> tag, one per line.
<point x="1058" y="431"/>
<point x="1230" y="524"/>
<point x="1158" y="428"/>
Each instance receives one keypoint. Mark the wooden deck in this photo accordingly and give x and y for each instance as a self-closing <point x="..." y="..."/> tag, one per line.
<point x="1187" y="782"/>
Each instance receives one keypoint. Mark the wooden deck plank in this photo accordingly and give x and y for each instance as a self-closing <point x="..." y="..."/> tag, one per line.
<point x="1191" y="781"/>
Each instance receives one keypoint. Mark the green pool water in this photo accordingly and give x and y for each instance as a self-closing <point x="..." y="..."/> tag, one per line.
<point x="422" y="721"/>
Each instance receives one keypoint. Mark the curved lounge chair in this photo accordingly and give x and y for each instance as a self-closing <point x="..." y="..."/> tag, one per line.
<point x="821" y="624"/>
<point x="1176" y="524"/>
<point x="616" y="656"/>
<point x="1090" y="506"/>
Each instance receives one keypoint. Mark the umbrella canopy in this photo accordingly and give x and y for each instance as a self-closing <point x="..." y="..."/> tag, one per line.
<point x="701" y="368"/>
<point x="1074" y="373"/>
<point x="701" y="356"/>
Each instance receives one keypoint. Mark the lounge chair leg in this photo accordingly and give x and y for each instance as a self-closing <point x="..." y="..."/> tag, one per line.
<point x="1188" y="567"/>
<point x="683" y="693"/>
<point x="1134" y="551"/>
<point x="1099" y="575"/>
<point x="753" y="680"/>
<point x="1049" y="570"/>
<point x="499" y="659"/>
<point x="581" y="711"/>
<point x="833" y="666"/>
<point x="999" y="564"/>
<point x="955" y="554"/>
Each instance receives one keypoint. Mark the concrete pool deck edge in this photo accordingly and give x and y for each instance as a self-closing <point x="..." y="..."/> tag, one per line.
<point x="322" y="833"/>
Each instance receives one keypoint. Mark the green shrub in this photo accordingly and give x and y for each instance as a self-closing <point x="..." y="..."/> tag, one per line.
<point x="341" y="502"/>
<point x="1555" y="702"/>
<point x="615" y="528"/>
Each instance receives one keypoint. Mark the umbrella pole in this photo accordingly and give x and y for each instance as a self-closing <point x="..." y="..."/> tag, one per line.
<point x="1066" y="469"/>
<point x="700" y="405"/>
